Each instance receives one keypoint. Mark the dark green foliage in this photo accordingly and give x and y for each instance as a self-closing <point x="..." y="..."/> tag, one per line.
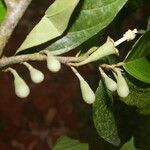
<point x="103" y="116"/>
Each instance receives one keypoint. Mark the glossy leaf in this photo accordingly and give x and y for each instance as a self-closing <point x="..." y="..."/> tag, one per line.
<point x="129" y="145"/>
<point x="2" y="11"/>
<point x="94" y="16"/>
<point x="139" y="96"/>
<point x="137" y="63"/>
<point x="66" y="143"/>
<point x="52" y="25"/>
<point x="103" y="116"/>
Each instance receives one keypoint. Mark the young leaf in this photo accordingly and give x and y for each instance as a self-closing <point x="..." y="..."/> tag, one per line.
<point x="129" y="145"/>
<point x="103" y="116"/>
<point x="139" y="97"/>
<point x="94" y="16"/>
<point x="2" y="11"/>
<point x="66" y="143"/>
<point x="137" y="63"/>
<point x="52" y="25"/>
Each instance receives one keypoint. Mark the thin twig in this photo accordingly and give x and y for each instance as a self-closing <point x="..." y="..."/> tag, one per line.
<point x="14" y="13"/>
<point x="5" y="61"/>
<point x="112" y="66"/>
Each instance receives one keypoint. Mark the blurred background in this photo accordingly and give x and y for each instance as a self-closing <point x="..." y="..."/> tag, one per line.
<point x="55" y="107"/>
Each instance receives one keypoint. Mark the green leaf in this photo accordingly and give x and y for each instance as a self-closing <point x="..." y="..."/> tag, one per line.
<point x="137" y="63"/>
<point x="52" y="25"/>
<point x="129" y="145"/>
<point x="139" y="96"/>
<point x="2" y="11"/>
<point x="95" y="15"/>
<point x="66" y="143"/>
<point x="103" y="116"/>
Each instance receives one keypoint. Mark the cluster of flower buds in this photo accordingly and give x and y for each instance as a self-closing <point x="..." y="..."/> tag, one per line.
<point x="21" y="88"/>
<point x="87" y="93"/>
<point x="53" y="64"/>
<point x="120" y="85"/>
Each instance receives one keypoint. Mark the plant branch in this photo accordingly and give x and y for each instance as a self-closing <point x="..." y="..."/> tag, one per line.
<point x="112" y="66"/>
<point x="10" y="3"/>
<point x="5" y="61"/>
<point x="15" y="11"/>
<point x="71" y="61"/>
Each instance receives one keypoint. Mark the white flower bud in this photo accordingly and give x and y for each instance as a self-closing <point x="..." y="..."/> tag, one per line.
<point x="110" y="83"/>
<point x="36" y="75"/>
<point x="53" y="63"/>
<point x="122" y="87"/>
<point x="87" y="93"/>
<point x="21" y="88"/>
